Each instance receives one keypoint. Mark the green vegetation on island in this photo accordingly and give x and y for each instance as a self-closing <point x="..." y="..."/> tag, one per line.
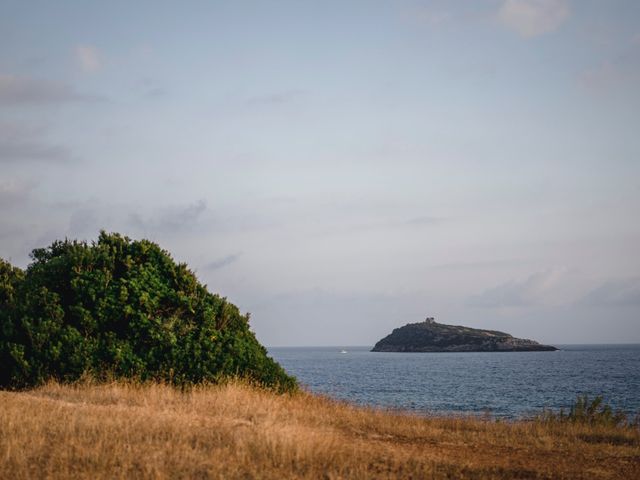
<point x="118" y="308"/>
<point x="430" y="336"/>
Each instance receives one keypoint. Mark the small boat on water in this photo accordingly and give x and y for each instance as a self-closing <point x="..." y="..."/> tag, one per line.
<point x="343" y="351"/>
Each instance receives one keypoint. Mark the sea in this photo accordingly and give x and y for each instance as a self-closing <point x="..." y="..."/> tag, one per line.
<point x="501" y="384"/>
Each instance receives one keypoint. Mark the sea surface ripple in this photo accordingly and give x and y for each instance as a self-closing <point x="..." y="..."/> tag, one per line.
<point x="510" y="385"/>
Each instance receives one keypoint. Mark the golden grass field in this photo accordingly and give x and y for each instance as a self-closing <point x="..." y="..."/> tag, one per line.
<point x="128" y="430"/>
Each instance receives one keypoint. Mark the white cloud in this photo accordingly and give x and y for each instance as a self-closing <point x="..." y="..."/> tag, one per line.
<point x="531" y="18"/>
<point x="89" y="58"/>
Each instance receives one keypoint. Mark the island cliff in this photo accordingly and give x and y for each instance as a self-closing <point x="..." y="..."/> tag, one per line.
<point x="429" y="336"/>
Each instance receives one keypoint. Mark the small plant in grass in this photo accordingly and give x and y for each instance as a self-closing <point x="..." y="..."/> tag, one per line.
<point x="590" y="412"/>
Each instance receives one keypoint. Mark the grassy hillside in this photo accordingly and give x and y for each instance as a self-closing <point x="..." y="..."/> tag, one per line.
<point x="126" y="430"/>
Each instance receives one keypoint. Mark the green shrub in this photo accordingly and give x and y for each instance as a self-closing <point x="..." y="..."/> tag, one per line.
<point x="121" y="308"/>
<point x="591" y="412"/>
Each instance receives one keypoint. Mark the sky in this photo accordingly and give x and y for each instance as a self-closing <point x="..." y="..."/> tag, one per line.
<point x="341" y="168"/>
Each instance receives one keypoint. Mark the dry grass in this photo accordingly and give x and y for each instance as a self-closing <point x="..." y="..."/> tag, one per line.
<point x="124" y="430"/>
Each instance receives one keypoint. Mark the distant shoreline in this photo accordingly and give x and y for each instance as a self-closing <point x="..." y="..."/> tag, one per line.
<point x="559" y="345"/>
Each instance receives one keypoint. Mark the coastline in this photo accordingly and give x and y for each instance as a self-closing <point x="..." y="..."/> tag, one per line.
<point x="513" y="385"/>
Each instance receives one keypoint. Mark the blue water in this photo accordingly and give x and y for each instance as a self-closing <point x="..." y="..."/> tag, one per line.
<point x="514" y="384"/>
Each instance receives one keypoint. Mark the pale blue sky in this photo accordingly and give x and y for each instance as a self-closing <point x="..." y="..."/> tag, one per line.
<point x="341" y="168"/>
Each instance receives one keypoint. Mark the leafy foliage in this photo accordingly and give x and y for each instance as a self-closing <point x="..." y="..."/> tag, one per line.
<point x="591" y="412"/>
<point x="121" y="308"/>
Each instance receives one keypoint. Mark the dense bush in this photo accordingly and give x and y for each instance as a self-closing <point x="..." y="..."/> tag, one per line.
<point x="121" y="308"/>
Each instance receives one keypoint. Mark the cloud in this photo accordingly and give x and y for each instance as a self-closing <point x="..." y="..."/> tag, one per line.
<point x="530" y="291"/>
<point x="609" y="75"/>
<point x="615" y="293"/>
<point x="531" y="18"/>
<point x="16" y="90"/>
<point x="20" y="143"/>
<point x="89" y="58"/>
<point x="172" y="219"/>
<point x="29" y="151"/>
<point x="222" y="262"/>
<point x="13" y="192"/>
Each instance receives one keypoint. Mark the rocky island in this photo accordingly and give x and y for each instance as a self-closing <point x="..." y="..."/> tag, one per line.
<point x="429" y="336"/>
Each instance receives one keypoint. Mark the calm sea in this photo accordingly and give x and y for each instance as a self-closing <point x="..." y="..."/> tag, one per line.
<point x="502" y="384"/>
